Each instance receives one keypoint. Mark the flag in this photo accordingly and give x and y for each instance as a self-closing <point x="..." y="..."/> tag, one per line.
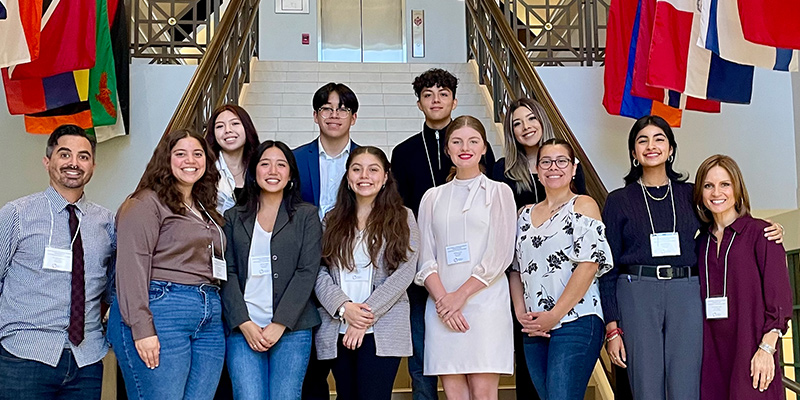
<point x="67" y="41"/>
<point x="46" y="122"/>
<point x="678" y="63"/>
<point x="773" y="23"/>
<point x="121" y="48"/>
<point x="621" y="41"/>
<point x="20" y="22"/>
<point x="30" y="96"/>
<point x="721" y="32"/>
<point x="102" y="77"/>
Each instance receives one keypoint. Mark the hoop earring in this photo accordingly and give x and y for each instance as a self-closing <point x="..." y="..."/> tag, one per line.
<point x="635" y="162"/>
<point x="671" y="158"/>
<point x="291" y="185"/>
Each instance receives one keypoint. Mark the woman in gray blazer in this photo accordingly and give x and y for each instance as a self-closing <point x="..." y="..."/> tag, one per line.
<point x="273" y="257"/>
<point x="370" y="257"/>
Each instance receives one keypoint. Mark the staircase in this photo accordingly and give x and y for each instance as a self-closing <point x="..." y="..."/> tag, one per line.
<point x="279" y="100"/>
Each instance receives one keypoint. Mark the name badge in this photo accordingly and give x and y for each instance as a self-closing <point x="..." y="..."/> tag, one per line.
<point x="457" y="253"/>
<point x="717" y="308"/>
<point x="260" y="266"/>
<point x="665" y="244"/>
<point x="57" y="259"/>
<point x="359" y="275"/>
<point x="220" y="269"/>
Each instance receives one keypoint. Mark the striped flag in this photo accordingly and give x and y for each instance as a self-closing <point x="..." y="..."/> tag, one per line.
<point x="721" y="32"/>
<point x="678" y="63"/>
<point x="621" y="44"/>
<point x="773" y="23"/>
<point x="20" y="22"/>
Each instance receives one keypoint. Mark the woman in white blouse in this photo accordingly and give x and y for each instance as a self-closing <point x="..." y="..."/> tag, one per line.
<point x="561" y="249"/>
<point x="467" y="230"/>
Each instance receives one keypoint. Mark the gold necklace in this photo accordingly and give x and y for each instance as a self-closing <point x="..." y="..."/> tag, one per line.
<point x="644" y="188"/>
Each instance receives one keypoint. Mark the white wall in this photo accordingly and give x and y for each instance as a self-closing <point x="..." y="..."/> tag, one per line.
<point x="760" y="136"/>
<point x="156" y="91"/>
<point x="445" y="26"/>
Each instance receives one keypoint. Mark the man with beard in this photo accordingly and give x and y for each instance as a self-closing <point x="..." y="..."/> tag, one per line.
<point x="56" y="265"/>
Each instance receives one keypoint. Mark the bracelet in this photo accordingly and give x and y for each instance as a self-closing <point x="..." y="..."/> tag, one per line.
<point x="612" y="334"/>
<point x="766" y="347"/>
<point x="778" y="331"/>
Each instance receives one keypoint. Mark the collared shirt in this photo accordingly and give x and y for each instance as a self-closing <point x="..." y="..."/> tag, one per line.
<point x="331" y="171"/>
<point x="225" y="187"/>
<point x="35" y="302"/>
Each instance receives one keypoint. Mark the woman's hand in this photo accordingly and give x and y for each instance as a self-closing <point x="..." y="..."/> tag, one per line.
<point x="252" y="334"/>
<point x="774" y="232"/>
<point x="272" y="333"/>
<point x="353" y="337"/>
<point x="450" y="303"/>
<point x="457" y="322"/>
<point x="525" y="319"/>
<point x="762" y="369"/>
<point x="358" y="315"/>
<point x="148" y="349"/>
<point x="543" y="322"/>
<point x="616" y="351"/>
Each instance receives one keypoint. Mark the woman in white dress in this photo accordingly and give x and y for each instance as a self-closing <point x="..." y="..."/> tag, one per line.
<point x="561" y="250"/>
<point x="467" y="229"/>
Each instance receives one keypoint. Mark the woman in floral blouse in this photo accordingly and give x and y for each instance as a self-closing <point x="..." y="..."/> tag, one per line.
<point x="560" y="251"/>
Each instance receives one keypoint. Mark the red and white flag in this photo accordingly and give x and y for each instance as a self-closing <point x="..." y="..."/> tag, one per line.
<point x="20" y="22"/>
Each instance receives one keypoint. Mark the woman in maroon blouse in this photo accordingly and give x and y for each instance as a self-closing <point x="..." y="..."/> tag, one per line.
<point x="745" y="283"/>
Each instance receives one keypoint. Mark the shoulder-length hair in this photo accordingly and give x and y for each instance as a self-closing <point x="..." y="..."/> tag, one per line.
<point x="158" y="176"/>
<point x="387" y="224"/>
<point x="252" y="191"/>
<point x="250" y="133"/>
<point x="469" y="122"/>
<point x="635" y="171"/>
<point x="741" y="198"/>
<point x="517" y="168"/>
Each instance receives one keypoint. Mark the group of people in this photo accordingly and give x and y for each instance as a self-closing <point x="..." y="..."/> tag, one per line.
<point x="286" y="265"/>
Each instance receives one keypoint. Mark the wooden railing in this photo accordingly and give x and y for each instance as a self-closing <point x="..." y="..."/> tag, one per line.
<point x="505" y="69"/>
<point x="224" y="68"/>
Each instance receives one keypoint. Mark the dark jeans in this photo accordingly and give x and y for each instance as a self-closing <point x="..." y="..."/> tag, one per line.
<point x="423" y="387"/>
<point x="315" y="384"/>
<point x="22" y="379"/>
<point x="361" y="375"/>
<point x="561" y="365"/>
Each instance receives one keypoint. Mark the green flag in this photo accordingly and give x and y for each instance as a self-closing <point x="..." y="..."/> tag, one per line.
<point x="102" y="78"/>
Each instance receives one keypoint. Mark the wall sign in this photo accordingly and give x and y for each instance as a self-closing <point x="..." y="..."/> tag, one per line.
<point x="291" y="7"/>
<point x="418" y="33"/>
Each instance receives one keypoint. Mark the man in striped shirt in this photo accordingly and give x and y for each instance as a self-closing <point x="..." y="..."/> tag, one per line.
<point x="56" y="265"/>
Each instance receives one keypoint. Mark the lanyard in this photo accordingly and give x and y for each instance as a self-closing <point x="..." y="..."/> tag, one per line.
<point x="50" y="237"/>
<point x="428" y="156"/>
<point x="650" y="216"/>
<point x="221" y="239"/>
<point x="725" y="279"/>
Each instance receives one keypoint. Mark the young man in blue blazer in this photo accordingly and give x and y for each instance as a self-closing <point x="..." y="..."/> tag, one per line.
<point x="322" y="164"/>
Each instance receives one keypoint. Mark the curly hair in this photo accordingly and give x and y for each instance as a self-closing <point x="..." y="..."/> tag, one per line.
<point x="250" y="133"/>
<point x="158" y="176"/>
<point x="387" y="222"/>
<point x="435" y="77"/>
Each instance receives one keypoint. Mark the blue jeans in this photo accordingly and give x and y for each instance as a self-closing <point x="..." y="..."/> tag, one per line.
<point x="423" y="387"/>
<point x="275" y="374"/>
<point x="188" y="321"/>
<point x="561" y="365"/>
<point x="22" y="379"/>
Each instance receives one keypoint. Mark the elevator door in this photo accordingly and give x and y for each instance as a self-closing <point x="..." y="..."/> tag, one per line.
<point x="362" y="31"/>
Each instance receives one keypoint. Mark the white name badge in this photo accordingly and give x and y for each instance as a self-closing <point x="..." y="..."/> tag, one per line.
<point x="220" y="268"/>
<point x="260" y="265"/>
<point x="457" y="253"/>
<point x="359" y="275"/>
<point x="716" y="308"/>
<point x="57" y="259"/>
<point x="665" y="244"/>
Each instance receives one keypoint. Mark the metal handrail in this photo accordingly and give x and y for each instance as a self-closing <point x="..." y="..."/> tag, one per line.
<point x="224" y="68"/>
<point x="791" y="385"/>
<point x="508" y="67"/>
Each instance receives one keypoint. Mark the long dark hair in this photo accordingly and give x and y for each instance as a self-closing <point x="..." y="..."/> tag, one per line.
<point x="570" y="153"/>
<point x="636" y="170"/>
<point x="158" y="176"/>
<point x="387" y="222"/>
<point x="250" y="133"/>
<point x="251" y="191"/>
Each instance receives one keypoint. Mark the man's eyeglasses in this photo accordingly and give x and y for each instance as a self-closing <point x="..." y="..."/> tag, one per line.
<point x="327" y="112"/>
<point x="561" y="163"/>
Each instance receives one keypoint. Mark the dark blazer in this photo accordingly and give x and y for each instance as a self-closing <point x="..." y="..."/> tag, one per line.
<point x="307" y="157"/>
<point x="296" y="251"/>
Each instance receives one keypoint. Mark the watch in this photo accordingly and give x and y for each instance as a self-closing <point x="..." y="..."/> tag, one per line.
<point x="340" y="313"/>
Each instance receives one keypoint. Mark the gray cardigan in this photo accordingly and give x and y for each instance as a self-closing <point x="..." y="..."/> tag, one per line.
<point x="296" y="251"/>
<point x="389" y="303"/>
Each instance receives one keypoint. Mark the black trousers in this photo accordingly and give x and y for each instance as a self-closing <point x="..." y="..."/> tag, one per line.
<point x="361" y="375"/>
<point x="315" y="384"/>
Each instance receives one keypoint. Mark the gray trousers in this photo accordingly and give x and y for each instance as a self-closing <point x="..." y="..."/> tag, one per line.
<point x="662" y="322"/>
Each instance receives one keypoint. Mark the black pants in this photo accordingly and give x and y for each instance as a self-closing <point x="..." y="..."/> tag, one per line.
<point x="315" y="384"/>
<point x="361" y="375"/>
<point x="524" y="386"/>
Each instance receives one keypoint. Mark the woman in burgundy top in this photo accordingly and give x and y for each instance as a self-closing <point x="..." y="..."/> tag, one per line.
<point x="745" y="283"/>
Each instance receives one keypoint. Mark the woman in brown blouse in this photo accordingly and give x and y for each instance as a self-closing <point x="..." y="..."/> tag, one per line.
<point x="165" y="324"/>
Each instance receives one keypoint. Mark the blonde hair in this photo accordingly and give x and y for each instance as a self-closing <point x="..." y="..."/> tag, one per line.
<point x="516" y="157"/>
<point x="742" y="199"/>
